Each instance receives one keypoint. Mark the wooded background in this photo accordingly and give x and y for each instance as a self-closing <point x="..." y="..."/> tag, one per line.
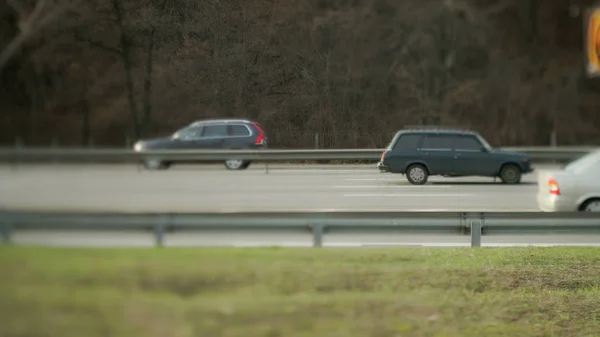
<point x="355" y="71"/>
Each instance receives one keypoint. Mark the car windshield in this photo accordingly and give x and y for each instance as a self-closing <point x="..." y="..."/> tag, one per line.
<point x="590" y="160"/>
<point x="186" y="132"/>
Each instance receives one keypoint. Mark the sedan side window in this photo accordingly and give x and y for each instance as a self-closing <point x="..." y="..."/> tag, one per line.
<point x="215" y="131"/>
<point x="239" y="130"/>
<point x="467" y="143"/>
<point x="435" y="142"/>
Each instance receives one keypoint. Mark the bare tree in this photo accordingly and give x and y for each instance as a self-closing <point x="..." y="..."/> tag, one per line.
<point x="32" y="22"/>
<point x="353" y="71"/>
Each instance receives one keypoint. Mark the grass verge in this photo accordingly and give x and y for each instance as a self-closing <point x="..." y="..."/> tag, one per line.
<point x="300" y="292"/>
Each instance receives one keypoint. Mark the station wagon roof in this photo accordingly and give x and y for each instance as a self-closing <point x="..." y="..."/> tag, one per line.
<point x="438" y="131"/>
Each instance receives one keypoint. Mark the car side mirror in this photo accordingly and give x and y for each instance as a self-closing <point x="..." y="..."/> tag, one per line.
<point x="483" y="149"/>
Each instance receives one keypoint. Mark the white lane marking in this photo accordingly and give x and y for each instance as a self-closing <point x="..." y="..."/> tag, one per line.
<point x="380" y="210"/>
<point x="439" y="181"/>
<point x="388" y="179"/>
<point x="317" y="210"/>
<point x="387" y="186"/>
<point x="369" y="179"/>
<point x="316" y="171"/>
<point x="411" y="195"/>
<point x="391" y="209"/>
<point x="430" y="210"/>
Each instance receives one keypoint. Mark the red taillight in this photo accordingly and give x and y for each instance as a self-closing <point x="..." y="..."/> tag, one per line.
<point x="383" y="155"/>
<point x="261" y="135"/>
<point x="553" y="185"/>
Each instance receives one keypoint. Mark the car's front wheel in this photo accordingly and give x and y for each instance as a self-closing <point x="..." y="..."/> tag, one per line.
<point x="237" y="164"/>
<point x="417" y="174"/>
<point x="510" y="174"/>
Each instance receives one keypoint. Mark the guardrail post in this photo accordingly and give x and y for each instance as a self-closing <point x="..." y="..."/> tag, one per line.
<point x="90" y="143"/>
<point x="317" y="231"/>
<point x="5" y="231"/>
<point x="159" y="230"/>
<point x="476" y="233"/>
<point x="55" y="146"/>
<point x="18" y="144"/>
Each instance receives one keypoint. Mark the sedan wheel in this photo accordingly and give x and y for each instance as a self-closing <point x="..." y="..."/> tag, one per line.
<point x="592" y="206"/>
<point x="235" y="164"/>
<point x="155" y="164"/>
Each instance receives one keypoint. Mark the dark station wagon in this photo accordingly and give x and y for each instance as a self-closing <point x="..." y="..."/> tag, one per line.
<point x="420" y="152"/>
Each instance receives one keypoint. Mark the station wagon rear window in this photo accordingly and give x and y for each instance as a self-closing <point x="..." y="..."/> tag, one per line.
<point x="408" y="142"/>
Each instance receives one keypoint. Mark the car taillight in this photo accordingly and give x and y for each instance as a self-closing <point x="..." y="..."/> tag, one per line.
<point x="553" y="186"/>
<point x="261" y="135"/>
<point x="383" y="155"/>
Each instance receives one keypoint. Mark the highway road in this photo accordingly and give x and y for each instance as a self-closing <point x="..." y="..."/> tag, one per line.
<point x="211" y="188"/>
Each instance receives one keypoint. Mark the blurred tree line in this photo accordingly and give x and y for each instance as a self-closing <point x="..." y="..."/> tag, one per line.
<point x="82" y="71"/>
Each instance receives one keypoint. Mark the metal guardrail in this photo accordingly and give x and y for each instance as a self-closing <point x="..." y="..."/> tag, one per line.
<point x="17" y="155"/>
<point x="122" y="155"/>
<point x="319" y="224"/>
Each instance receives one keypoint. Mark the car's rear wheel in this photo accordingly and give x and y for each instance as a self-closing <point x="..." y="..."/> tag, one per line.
<point x="155" y="164"/>
<point x="510" y="174"/>
<point x="591" y="205"/>
<point x="236" y="164"/>
<point x="417" y="174"/>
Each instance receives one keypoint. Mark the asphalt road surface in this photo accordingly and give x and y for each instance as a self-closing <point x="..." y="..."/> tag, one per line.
<point x="284" y="188"/>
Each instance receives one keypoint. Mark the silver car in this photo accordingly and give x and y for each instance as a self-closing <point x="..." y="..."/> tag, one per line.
<point x="575" y="188"/>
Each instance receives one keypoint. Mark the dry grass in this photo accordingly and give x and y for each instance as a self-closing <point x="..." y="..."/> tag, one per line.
<point x="300" y="292"/>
